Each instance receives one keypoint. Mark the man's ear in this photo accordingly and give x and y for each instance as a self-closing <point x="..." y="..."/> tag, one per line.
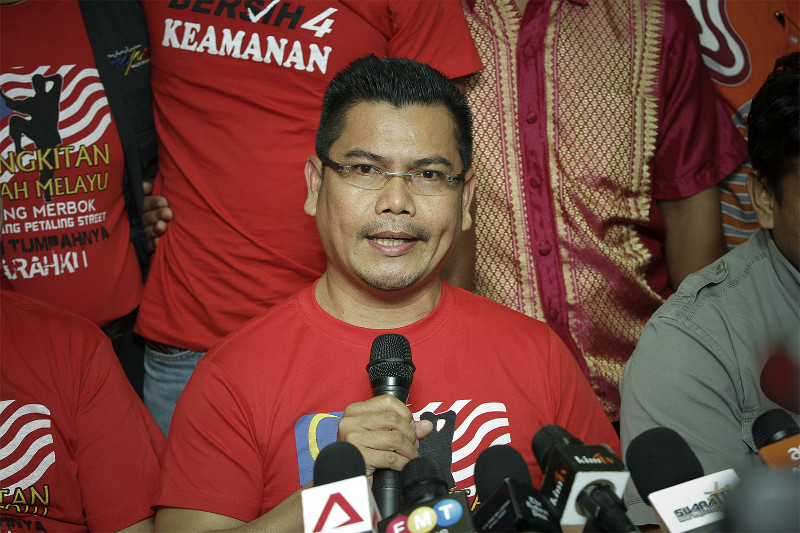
<point x="313" y="172"/>
<point x="467" y="199"/>
<point x="762" y="200"/>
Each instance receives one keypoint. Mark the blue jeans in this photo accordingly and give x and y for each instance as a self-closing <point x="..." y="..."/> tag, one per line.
<point x="165" y="376"/>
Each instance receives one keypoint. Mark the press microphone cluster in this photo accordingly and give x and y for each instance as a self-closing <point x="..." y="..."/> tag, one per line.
<point x="583" y="484"/>
<point x="340" y="500"/>
<point x="777" y="437"/>
<point x="670" y="478"/>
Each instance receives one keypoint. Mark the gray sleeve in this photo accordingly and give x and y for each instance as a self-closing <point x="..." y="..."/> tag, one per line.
<point x="679" y="377"/>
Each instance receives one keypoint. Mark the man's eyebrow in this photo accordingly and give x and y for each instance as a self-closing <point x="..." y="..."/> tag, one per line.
<point x="422" y="162"/>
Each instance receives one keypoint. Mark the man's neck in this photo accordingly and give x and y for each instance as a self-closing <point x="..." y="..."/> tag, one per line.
<point x="372" y="308"/>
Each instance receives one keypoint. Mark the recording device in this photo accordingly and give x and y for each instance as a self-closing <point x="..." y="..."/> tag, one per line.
<point x="780" y="377"/>
<point x="508" y="500"/>
<point x="390" y="371"/>
<point x="669" y="477"/>
<point x="427" y="504"/>
<point x="766" y="500"/>
<point x="340" y="500"/>
<point x="583" y="484"/>
<point x="777" y="437"/>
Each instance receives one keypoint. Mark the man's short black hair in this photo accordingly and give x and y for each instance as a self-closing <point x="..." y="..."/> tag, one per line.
<point x="774" y="125"/>
<point x="399" y="82"/>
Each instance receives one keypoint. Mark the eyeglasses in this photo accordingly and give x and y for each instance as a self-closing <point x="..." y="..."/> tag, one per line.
<point x="370" y="177"/>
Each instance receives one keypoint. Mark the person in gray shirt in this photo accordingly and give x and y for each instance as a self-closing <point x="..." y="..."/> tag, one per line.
<point x="698" y="363"/>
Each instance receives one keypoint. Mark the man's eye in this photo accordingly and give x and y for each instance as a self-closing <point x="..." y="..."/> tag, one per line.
<point x="431" y="175"/>
<point x="366" y="170"/>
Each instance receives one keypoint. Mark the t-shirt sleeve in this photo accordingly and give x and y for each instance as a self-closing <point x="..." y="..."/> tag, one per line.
<point x="698" y="144"/>
<point x="577" y="408"/>
<point x="212" y="462"/>
<point x="433" y="32"/>
<point x="118" y="445"/>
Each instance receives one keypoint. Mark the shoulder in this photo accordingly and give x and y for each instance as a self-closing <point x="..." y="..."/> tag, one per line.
<point x="24" y="313"/>
<point x="479" y="309"/>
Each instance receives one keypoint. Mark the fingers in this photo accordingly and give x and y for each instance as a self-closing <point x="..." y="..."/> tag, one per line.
<point x="383" y="429"/>
<point x="155" y="216"/>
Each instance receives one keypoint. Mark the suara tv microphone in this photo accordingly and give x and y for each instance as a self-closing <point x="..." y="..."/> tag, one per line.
<point x="583" y="484"/>
<point x="669" y="477"/>
<point x="390" y="371"/>
<point x="777" y="437"/>
<point x="508" y="500"/>
<point x="340" y="500"/>
<point x="427" y="504"/>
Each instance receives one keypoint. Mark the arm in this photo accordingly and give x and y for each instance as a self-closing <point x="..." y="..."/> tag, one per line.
<point x="156" y="214"/>
<point x="694" y="233"/>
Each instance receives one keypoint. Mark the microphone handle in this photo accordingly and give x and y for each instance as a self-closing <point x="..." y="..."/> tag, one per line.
<point x="387" y="490"/>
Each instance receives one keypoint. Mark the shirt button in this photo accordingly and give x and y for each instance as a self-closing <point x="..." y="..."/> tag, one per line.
<point x="553" y="314"/>
<point x="531" y="118"/>
<point x="544" y="248"/>
<point x="528" y="51"/>
<point x="535" y="182"/>
<point x="720" y="268"/>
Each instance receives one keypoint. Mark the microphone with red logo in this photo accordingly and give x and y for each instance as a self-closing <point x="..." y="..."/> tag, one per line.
<point x="508" y="500"/>
<point x="583" y="484"/>
<point x="390" y="371"/>
<point x="777" y="437"/>
<point x="340" y="500"/>
<point x="669" y="477"/>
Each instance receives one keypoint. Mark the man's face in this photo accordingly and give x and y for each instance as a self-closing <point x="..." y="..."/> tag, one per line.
<point x="782" y="220"/>
<point x="389" y="239"/>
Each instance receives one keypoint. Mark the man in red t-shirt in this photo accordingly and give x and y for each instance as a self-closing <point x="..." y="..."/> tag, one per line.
<point x="390" y="188"/>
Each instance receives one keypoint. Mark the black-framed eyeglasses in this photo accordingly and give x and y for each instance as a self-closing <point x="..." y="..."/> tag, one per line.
<point x="371" y="177"/>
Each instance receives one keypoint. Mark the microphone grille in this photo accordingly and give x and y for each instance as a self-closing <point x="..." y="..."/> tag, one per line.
<point x="496" y="463"/>
<point x="390" y="357"/>
<point x="660" y="458"/>
<point x="773" y="426"/>
<point x="422" y="481"/>
<point x="547" y="438"/>
<point x="338" y="461"/>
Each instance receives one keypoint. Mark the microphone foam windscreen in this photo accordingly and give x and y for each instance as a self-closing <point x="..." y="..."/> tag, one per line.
<point x="773" y="426"/>
<point x="338" y="461"/>
<point x="660" y="458"/>
<point x="547" y="438"/>
<point x="422" y="481"/>
<point x="496" y="463"/>
<point x="390" y="356"/>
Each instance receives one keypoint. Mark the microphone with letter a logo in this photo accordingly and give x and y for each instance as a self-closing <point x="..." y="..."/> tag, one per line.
<point x="341" y="500"/>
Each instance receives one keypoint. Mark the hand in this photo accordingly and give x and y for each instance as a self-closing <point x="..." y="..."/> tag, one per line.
<point x="155" y="215"/>
<point x="384" y="431"/>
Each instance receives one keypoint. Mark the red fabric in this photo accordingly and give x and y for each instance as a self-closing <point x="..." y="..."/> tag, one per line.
<point x="84" y="262"/>
<point x="234" y="136"/>
<point x="233" y="449"/>
<point x="63" y="391"/>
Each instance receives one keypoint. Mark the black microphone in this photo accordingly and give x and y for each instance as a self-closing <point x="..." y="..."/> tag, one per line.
<point x="508" y="500"/>
<point x="670" y="478"/>
<point x="390" y="371"/>
<point x="340" y="488"/>
<point x="777" y="437"/>
<point x="582" y="484"/>
<point x="427" y="503"/>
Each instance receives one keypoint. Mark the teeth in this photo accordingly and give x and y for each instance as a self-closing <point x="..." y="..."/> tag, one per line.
<point x="389" y="242"/>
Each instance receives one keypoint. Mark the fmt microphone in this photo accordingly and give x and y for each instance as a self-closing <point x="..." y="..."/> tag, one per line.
<point x="340" y="500"/>
<point x="669" y="477"/>
<point x="390" y="371"/>
<point x="777" y="437"/>
<point x="427" y="505"/>
<point x="583" y="484"/>
<point x="508" y="500"/>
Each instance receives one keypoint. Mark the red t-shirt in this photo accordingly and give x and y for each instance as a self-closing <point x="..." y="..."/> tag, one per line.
<point x="58" y="139"/>
<point x="237" y="106"/>
<point x="79" y="450"/>
<point x="263" y="402"/>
